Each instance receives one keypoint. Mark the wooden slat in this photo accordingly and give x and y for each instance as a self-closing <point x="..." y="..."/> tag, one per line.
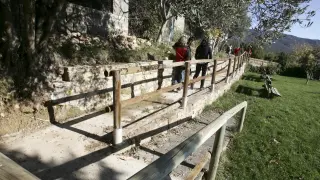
<point x="149" y="95"/>
<point x="201" y="61"/>
<point x="9" y="170"/>
<point x="200" y="78"/>
<point x="185" y="85"/>
<point x="196" y="170"/>
<point x="222" y="72"/>
<point x="163" y="166"/>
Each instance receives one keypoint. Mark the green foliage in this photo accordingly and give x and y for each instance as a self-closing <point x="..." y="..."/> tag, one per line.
<point x="144" y="18"/>
<point x="275" y="17"/>
<point x="258" y="52"/>
<point x="177" y="35"/>
<point x="270" y="69"/>
<point x="158" y="52"/>
<point x="271" y="56"/>
<point x="67" y="49"/>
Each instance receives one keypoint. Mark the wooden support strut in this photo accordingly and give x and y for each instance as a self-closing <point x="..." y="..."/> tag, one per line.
<point x="117" y="129"/>
<point x="228" y="71"/>
<point x="214" y="73"/>
<point x="195" y="171"/>
<point x="186" y="84"/>
<point x="216" y="152"/>
<point x="238" y="64"/>
<point x="234" y="67"/>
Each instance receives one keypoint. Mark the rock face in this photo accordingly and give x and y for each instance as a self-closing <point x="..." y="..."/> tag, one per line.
<point x="129" y="42"/>
<point x="97" y="22"/>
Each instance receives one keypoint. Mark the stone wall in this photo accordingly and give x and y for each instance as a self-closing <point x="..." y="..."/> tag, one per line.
<point x="90" y="87"/>
<point x="82" y="19"/>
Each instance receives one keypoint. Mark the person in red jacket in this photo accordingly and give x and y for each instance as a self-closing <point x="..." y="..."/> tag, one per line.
<point x="237" y="51"/>
<point x="182" y="54"/>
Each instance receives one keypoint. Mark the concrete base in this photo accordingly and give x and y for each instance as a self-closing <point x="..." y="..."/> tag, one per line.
<point x="117" y="136"/>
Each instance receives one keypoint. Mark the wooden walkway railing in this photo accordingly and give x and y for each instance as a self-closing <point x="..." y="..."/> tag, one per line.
<point x="163" y="166"/>
<point x="118" y="104"/>
<point x="11" y="170"/>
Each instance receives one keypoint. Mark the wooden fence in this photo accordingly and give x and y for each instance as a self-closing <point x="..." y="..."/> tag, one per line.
<point x="238" y="62"/>
<point x="163" y="166"/>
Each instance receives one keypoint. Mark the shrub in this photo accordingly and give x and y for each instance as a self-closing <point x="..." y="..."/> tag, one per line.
<point x="269" y="69"/>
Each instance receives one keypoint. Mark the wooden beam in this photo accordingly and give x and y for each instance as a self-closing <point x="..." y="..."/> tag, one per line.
<point x="214" y="74"/>
<point x="201" y="61"/>
<point x="160" y="74"/>
<point x="149" y="95"/>
<point x="9" y="170"/>
<point x="216" y="152"/>
<point x="221" y="72"/>
<point x="238" y="64"/>
<point x="163" y="166"/>
<point x="228" y="71"/>
<point x="234" y="67"/>
<point x="196" y="170"/>
<point x="243" y="115"/>
<point x="117" y="130"/>
<point x="185" y="85"/>
<point x="199" y="79"/>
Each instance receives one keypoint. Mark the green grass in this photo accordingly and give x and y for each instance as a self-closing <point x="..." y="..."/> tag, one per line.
<point x="281" y="136"/>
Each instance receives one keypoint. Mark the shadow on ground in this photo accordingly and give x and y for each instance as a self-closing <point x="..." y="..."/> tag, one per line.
<point x="249" y="91"/>
<point x="251" y="77"/>
<point x="70" y="169"/>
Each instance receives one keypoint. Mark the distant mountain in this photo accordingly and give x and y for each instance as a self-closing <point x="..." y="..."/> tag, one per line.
<point x="286" y="43"/>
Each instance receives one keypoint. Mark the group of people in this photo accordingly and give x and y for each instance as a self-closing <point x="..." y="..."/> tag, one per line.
<point x="203" y="51"/>
<point x="183" y="53"/>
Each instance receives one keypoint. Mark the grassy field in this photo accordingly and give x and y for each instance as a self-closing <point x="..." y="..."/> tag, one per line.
<point x="281" y="136"/>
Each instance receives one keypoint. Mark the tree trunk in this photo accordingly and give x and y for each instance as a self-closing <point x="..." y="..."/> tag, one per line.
<point x="161" y="31"/>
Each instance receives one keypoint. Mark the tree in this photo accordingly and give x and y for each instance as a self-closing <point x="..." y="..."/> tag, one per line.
<point x="308" y="58"/>
<point x="25" y="29"/>
<point x="273" y="17"/>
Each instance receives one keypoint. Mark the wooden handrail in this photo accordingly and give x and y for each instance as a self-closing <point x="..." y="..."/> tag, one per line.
<point x="117" y="133"/>
<point x="148" y="95"/>
<point x="166" y="89"/>
<point x="131" y="70"/>
<point x="11" y="170"/>
<point x="163" y="166"/>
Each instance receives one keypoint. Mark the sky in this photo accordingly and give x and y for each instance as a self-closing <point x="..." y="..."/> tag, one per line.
<point x="312" y="32"/>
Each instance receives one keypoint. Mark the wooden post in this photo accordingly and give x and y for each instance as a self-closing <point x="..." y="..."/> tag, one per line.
<point x="238" y="64"/>
<point x="216" y="152"/>
<point x="234" y="67"/>
<point x="244" y="110"/>
<point x="228" y="71"/>
<point x="117" y="129"/>
<point x="185" y="85"/>
<point x="213" y="79"/>
<point x="241" y="62"/>
<point x="160" y="74"/>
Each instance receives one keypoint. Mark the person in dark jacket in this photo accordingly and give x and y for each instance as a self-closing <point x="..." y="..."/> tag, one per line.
<point x="203" y="51"/>
<point x="182" y="54"/>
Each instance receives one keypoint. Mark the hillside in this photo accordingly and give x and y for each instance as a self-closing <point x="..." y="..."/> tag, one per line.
<point x="286" y="43"/>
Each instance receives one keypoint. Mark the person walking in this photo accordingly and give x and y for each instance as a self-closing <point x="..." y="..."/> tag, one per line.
<point x="182" y="54"/>
<point x="203" y="51"/>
